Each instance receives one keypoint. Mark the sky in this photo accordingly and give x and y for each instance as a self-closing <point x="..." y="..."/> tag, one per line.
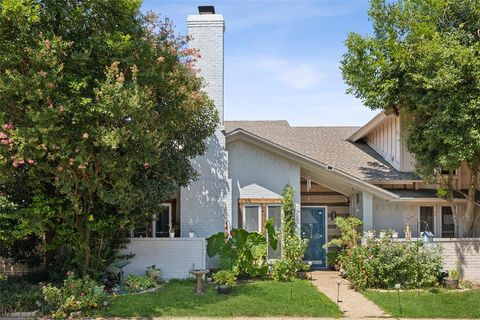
<point x="282" y="58"/>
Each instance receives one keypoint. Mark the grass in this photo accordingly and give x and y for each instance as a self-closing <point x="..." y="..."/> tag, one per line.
<point x="259" y="298"/>
<point x="428" y="304"/>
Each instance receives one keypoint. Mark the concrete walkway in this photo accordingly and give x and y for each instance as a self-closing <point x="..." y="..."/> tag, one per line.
<point x="353" y="304"/>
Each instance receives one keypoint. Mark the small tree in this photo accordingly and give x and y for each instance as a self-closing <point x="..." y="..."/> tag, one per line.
<point x="102" y="114"/>
<point x="424" y="60"/>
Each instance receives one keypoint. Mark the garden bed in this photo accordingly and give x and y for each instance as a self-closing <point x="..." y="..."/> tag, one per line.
<point x="436" y="303"/>
<point x="176" y="298"/>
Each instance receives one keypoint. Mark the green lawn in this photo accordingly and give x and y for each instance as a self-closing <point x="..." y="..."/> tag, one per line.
<point x="429" y="304"/>
<point x="259" y="298"/>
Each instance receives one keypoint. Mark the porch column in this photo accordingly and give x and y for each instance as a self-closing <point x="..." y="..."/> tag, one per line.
<point x="367" y="211"/>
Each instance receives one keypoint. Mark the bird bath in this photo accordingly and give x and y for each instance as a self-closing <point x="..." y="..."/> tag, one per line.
<point x="199" y="273"/>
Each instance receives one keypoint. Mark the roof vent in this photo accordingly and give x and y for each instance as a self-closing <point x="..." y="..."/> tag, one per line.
<point x="330" y="167"/>
<point x="206" y="9"/>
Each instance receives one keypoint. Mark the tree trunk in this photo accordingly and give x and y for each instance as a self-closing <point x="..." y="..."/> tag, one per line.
<point x="470" y="215"/>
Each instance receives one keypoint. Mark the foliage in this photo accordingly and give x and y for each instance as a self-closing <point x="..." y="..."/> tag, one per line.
<point x="74" y="296"/>
<point x="349" y="236"/>
<point x="101" y="114"/>
<point x="293" y="246"/>
<point x="298" y="298"/>
<point x="225" y="277"/>
<point x="288" y="207"/>
<point x="431" y="304"/>
<point x="134" y="283"/>
<point x="18" y="295"/>
<point x="243" y="251"/>
<point x="332" y="258"/>
<point x="382" y="263"/>
<point x="454" y="274"/>
<point x="424" y="61"/>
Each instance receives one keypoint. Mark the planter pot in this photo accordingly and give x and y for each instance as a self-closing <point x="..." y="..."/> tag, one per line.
<point x="153" y="273"/>
<point x="224" y="288"/>
<point x="395" y="235"/>
<point x="302" y="275"/>
<point x="451" y="283"/>
<point x="191" y="234"/>
<point x="382" y="234"/>
<point x="172" y="234"/>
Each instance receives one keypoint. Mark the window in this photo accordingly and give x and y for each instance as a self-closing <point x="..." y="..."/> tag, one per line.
<point x="158" y="228"/>
<point x="275" y="212"/>
<point x="427" y="219"/>
<point x="252" y="219"/>
<point x="448" y="226"/>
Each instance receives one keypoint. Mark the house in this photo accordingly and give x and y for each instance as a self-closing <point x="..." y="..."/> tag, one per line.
<point x="365" y="172"/>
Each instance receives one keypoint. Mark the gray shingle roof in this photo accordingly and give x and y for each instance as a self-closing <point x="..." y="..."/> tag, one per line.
<point x="328" y="145"/>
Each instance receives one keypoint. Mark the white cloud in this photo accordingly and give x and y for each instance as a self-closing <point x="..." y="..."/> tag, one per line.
<point x="293" y="74"/>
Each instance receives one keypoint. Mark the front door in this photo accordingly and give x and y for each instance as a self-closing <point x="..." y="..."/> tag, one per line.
<point x="313" y="229"/>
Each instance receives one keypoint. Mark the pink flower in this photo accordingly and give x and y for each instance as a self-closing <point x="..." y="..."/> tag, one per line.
<point x="3" y="135"/>
<point x="3" y="141"/>
<point x="146" y="165"/>
<point x="15" y="163"/>
<point x="21" y="162"/>
<point x="7" y="126"/>
<point x="30" y="161"/>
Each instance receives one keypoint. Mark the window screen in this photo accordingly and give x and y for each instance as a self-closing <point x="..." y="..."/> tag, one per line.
<point x="252" y="218"/>
<point x="448" y="226"/>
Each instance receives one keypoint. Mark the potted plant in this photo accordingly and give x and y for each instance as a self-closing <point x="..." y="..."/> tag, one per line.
<point x="153" y="272"/>
<point x="171" y="231"/>
<point x="225" y="280"/>
<point x="451" y="282"/>
<point x="332" y="260"/>
<point x="191" y="234"/>
<point x="383" y="234"/>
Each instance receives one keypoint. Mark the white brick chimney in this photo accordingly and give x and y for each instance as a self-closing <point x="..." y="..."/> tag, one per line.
<point x="206" y="30"/>
<point x="206" y="204"/>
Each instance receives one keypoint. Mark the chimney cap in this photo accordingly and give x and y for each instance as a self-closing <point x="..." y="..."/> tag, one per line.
<point x="206" y="9"/>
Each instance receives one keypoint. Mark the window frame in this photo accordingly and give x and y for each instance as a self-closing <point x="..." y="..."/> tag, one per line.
<point x="433" y="229"/>
<point x="153" y="225"/>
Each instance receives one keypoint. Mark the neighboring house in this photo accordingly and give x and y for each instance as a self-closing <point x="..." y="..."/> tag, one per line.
<point x="336" y="171"/>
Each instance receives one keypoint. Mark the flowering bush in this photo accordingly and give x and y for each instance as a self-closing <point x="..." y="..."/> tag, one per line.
<point x="75" y="296"/>
<point x="382" y="263"/>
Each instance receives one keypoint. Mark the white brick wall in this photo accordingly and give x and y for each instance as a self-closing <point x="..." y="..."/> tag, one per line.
<point x="466" y="252"/>
<point x="174" y="256"/>
<point x="205" y="205"/>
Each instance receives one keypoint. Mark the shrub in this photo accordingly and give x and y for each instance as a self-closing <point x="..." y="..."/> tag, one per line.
<point x="382" y="263"/>
<point x="18" y="295"/>
<point x="139" y="283"/>
<point x="349" y="236"/>
<point x="225" y="277"/>
<point x="245" y="252"/>
<point x="332" y="258"/>
<point x="75" y="295"/>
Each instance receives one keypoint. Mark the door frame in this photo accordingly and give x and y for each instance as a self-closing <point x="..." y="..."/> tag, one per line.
<point x="324" y="264"/>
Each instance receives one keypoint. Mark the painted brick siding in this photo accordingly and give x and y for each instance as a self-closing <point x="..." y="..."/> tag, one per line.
<point x="205" y="205"/>
<point x="466" y="252"/>
<point x="251" y="164"/>
<point x="174" y="256"/>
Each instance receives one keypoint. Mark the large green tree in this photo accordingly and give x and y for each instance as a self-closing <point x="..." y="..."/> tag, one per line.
<point x="424" y="59"/>
<point x="102" y="113"/>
